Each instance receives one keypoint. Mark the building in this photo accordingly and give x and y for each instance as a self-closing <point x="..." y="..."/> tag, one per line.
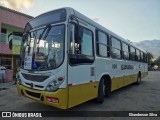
<point x="11" y="20"/>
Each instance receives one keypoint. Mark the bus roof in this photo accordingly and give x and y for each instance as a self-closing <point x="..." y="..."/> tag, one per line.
<point x="93" y="23"/>
<point x="98" y="26"/>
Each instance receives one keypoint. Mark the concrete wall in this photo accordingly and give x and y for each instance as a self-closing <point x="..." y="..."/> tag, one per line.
<point x="12" y="21"/>
<point x="13" y="18"/>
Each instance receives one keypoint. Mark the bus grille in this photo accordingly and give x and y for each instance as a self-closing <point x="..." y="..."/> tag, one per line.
<point x="36" y="95"/>
<point x="35" y="78"/>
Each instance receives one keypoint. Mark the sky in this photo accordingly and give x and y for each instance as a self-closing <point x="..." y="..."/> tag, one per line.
<point x="135" y="20"/>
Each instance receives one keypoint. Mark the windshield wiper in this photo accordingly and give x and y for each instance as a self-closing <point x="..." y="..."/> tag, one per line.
<point x="48" y="28"/>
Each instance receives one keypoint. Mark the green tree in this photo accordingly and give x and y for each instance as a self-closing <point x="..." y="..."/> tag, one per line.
<point x="157" y="61"/>
<point x="149" y="57"/>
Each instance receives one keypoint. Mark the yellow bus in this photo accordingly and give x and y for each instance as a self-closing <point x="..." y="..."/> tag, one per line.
<point x="68" y="59"/>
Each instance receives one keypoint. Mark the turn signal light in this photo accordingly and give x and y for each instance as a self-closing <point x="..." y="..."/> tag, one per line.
<point x="60" y="78"/>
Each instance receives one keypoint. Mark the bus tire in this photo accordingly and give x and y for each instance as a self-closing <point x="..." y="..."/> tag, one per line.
<point x="138" y="79"/>
<point x="107" y="88"/>
<point x="101" y="91"/>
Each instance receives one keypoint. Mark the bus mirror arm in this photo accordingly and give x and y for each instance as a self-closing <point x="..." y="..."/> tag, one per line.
<point x="18" y="33"/>
<point x="72" y="17"/>
<point x="10" y="41"/>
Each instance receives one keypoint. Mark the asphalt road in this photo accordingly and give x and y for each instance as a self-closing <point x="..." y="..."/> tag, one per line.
<point x="143" y="97"/>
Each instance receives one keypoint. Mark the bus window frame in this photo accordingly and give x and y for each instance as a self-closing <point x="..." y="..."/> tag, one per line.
<point x="81" y="56"/>
<point x="138" y="59"/>
<point x="115" y="47"/>
<point x="125" y="51"/>
<point x="107" y="46"/>
<point x="132" y="54"/>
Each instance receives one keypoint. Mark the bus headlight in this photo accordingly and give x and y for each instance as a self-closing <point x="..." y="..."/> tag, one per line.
<point x="53" y="85"/>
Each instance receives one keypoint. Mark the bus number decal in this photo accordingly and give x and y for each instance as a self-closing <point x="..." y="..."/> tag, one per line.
<point x="114" y="66"/>
<point x="124" y="67"/>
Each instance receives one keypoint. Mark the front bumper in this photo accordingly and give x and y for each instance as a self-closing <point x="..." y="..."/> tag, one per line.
<point x="60" y="96"/>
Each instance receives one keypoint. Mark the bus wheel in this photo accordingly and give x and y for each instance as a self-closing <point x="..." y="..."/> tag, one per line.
<point x="101" y="92"/>
<point x="138" y="79"/>
<point x="107" y="89"/>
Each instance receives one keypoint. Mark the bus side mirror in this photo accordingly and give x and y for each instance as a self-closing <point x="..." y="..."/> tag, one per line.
<point x="10" y="40"/>
<point x="27" y="49"/>
<point x="10" y="44"/>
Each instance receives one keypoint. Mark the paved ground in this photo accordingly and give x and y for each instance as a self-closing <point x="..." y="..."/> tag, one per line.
<point x="144" y="97"/>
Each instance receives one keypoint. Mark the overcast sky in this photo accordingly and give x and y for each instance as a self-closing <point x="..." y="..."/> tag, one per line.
<point x="135" y="20"/>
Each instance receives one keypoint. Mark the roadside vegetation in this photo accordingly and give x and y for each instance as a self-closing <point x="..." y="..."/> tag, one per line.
<point x="153" y="64"/>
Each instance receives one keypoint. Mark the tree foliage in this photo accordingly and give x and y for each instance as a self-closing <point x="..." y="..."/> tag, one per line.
<point x="157" y="61"/>
<point x="149" y="57"/>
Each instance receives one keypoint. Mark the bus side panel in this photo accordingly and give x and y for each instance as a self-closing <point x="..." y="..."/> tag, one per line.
<point x="130" y="74"/>
<point x="117" y="83"/>
<point x="82" y="85"/>
<point x="129" y="79"/>
<point x="82" y="93"/>
<point x="145" y="72"/>
<point x="111" y="67"/>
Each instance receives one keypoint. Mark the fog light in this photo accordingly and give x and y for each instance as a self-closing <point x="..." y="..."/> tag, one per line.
<point x="52" y="99"/>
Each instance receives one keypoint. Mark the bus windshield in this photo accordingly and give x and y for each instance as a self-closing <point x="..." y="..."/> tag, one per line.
<point x="51" y="17"/>
<point x="43" y="48"/>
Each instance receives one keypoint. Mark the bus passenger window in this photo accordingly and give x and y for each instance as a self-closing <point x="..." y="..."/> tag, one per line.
<point x="83" y="42"/>
<point x="125" y="51"/>
<point x="81" y="46"/>
<point x="142" y="57"/>
<point x="138" y="55"/>
<point x="116" y="48"/>
<point x="132" y="54"/>
<point x="86" y="43"/>
<point x="102" y="44"/>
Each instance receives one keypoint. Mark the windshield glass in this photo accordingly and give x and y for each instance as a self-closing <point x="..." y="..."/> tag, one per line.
<point x="51" y="17"/>
<point x="43" y="49"/>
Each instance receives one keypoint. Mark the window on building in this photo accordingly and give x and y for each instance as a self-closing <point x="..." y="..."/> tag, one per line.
<point x="3" y="35"/>
<point x="116" y="48"/>
<point x="102" y="44"/>
<point x="3" y="30"/>
<point x="125" y="49"/>
<point x="17" y="39"/>
<point x="6" y="62"/>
